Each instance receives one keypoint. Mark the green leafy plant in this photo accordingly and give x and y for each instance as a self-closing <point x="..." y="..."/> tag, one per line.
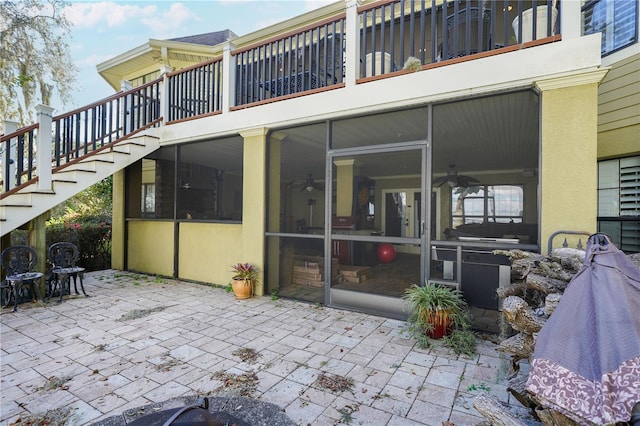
<point x="481" y="386"/>
<point x="245" y="272"/>
<point x="412" y="64"/>
<point x="229" y="287"/>
<point x="274" y="295"/>
<point x="461" y="341"/>
<point x="437" y="310"/>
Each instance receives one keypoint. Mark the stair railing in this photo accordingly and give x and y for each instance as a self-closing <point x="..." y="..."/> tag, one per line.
<point x="75" y="135"/>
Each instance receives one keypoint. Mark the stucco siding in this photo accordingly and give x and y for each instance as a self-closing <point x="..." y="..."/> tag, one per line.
<point x="150" y="247"/>
<point x="568" y="160"/>
<point x="207" y="251"/>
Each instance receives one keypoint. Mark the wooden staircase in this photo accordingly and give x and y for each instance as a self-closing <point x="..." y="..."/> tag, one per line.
<point x="19" y="207"/>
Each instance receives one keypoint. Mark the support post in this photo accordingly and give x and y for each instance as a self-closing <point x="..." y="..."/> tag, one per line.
<point x="43" y="147"/>
<point x="38" y="241"/>
<point x="9" y="155"/>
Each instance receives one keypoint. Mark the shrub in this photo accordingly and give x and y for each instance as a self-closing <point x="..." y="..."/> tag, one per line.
<point x="91" y="234"/>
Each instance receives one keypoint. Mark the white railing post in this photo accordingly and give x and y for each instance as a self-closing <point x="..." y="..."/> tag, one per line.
<point x="43" y="147"/>
<point x="352" y="57"/>
<point x="125" y="110"/>
<point x="228" y="77"/>
<point x="10" y="153"/>
<point x="570" y="20"/>
<point x="164" y="92"/>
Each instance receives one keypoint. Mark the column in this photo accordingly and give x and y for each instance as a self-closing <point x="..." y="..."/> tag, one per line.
<point x="568" y="159"/>
<point x="254" y="200"/>
<point x="344" y="187"/>
<point x="275" y="196"/>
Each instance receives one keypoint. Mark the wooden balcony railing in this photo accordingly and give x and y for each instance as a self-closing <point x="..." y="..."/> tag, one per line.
<point x="79" y="133"/>
<point x="195" y="91"/>
<point x="436" y="30"/>
<point x="308" y="59"/>
<point x="311" y="59"/>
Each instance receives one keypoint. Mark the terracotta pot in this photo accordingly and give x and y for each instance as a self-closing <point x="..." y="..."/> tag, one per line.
<point x="442" y="325"/>
<point x="241" y="289"/>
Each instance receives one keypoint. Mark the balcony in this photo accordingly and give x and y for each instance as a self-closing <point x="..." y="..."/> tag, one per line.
<point x="344" y="47"/>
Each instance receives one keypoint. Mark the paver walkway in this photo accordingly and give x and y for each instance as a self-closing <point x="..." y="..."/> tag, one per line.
<point x="139" y="340"/>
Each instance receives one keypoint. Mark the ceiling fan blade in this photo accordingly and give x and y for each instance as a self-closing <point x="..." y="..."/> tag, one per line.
<point x="464" y="181"/>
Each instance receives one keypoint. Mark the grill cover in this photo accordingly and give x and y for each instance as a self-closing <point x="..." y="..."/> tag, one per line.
<point x="586" y="362"/>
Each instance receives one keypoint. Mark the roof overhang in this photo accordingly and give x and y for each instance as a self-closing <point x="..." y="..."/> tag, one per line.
<point x="150" y="56"/>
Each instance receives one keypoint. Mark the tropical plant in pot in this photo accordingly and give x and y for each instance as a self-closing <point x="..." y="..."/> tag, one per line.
<point x="435" y="310"/>
<point x="245" y="277"/>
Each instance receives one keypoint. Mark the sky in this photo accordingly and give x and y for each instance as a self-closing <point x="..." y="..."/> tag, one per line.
<point x="102" y="30"/>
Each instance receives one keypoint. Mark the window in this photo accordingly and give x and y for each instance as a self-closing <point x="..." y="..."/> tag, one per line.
<point x="487" y="203"/>
<point x="148" y="201"/>
<point x="619" y="201"/>
<point x="615" y="19"/>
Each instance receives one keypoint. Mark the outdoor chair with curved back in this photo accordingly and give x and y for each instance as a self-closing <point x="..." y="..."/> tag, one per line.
<point x="63" y="257"/>
<point x="19" y="263"/>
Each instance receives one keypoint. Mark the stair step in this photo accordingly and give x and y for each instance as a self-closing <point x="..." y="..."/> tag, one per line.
<point x="70" y="175"/>
<point x="104" y="157"/>
<point x="18" y="208"/>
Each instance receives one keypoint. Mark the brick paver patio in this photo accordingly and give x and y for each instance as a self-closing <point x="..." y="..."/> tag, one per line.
<point x="139" y="340"/>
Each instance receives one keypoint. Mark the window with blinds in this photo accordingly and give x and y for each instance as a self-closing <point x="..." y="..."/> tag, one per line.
<point x="619" y="201"/>
<point x="617" y="20"/>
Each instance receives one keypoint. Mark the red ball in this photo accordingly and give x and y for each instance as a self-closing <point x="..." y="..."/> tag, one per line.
<point x="386" y="253"/>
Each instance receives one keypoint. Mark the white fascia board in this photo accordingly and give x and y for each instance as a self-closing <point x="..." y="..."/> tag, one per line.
<point x="187" y="47"/>
<point x="290" y="24"/>
<point x="124" y="57"/>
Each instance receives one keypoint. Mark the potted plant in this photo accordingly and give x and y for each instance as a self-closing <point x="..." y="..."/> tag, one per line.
<point x="412" y="64"/>
<point x="435" y="310"/>
<point x="245" y="277"/>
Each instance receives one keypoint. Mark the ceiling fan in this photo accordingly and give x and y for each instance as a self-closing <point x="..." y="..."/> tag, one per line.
<point x="453" y="179"/>
<point x="310" y="185"/>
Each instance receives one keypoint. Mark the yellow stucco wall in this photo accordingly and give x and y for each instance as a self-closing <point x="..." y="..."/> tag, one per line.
<point x="150" y="247"/>
<point x="118" y="221"/>
<point x="568" y="158"/>
<point x="207" y="251"/>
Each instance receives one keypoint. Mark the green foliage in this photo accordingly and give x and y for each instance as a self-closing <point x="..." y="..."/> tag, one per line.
<point x="443" y="302"/>
<point x="84" y="220"/>
<point x="481" y="386"/>
<point x="245" y="272"/>
<point x="274" y="295"/>
<point x="34" y="57"/>
<point x="435" y="303"/>
<point x="95" y="201"/>
<point x="461" y="341"/>
<point x="92" y="235"/>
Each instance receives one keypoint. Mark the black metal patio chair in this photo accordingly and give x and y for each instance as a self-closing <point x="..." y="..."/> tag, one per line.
<point x="19" y="263"/>
<point x="63" y="257"/>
